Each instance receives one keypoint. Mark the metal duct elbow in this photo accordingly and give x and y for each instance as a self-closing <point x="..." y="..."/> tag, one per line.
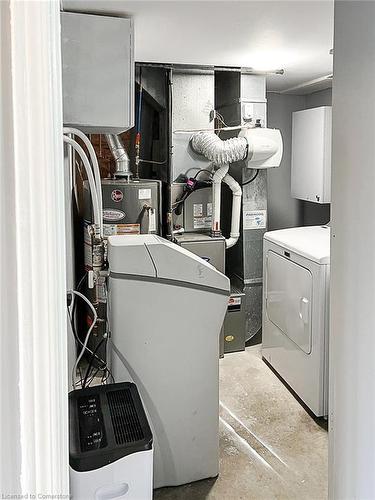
<point x="120" y="155"/>
<point x="218" y="151"/>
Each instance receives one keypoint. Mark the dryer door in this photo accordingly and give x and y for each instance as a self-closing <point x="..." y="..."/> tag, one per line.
<point x="289" y="299"/>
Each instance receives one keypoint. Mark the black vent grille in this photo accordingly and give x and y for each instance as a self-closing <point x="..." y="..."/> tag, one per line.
<point x="126" y="425"/>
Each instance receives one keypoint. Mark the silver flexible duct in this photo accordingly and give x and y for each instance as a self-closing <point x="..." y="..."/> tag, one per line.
<point x="222" y="153"/>
<point x="120" y="155"/>
<point x="218" y="151"/>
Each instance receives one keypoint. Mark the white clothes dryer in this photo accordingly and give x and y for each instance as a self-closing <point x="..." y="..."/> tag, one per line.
<point x="296" y="310"/>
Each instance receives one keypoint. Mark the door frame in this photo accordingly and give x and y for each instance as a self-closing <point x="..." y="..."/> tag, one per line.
<point x="34" y="457"/>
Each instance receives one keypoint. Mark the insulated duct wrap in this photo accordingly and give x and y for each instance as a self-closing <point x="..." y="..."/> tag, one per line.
<point x="218" y="151"/>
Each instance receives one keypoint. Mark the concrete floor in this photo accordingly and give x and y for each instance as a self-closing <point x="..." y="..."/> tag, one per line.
<point x="270" y="447"/>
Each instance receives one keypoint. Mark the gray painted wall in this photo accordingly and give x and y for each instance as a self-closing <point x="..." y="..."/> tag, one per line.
<point x="321" y="98"/>
<point x="314" y="213"/>
<point x="283" y="210"/>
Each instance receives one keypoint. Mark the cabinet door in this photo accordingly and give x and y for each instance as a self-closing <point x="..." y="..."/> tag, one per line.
<point x="97" y="72"/>
<point x="289" y="299"/>
<point x="311" y="154"/>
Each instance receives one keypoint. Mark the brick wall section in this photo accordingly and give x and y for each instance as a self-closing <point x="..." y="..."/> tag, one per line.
<point x="105" y="160"/>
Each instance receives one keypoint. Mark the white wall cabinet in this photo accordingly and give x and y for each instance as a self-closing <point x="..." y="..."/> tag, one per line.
<point x="97" y="72"/>
<point x="311" y="154"/>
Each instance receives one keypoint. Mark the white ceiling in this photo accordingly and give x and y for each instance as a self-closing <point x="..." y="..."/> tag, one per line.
<point x="265" y="35"/>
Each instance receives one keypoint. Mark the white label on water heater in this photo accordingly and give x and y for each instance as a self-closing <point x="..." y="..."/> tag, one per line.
<point x="112" y="214"/>
<point x="144" y="194"/>
<point x="254" y="219"/>
<point x="109" y="230"/>
<point x="234" y="301"/>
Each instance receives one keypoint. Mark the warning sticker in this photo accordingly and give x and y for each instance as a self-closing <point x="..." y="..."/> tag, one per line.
<point x="207" y="221"/>
<point x="202" y="222"/>
<point x="112" y="229"/>
<point x="234" y="301"/>
<point x="144" y="194"/>
<point x="198" y="223"/>
<point x="254" y="219"/>
<point x="198" y="209"/>
<point x="128" y="229"/>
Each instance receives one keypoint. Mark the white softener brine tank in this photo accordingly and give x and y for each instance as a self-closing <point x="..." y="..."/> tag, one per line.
<point x="167" y="308"/>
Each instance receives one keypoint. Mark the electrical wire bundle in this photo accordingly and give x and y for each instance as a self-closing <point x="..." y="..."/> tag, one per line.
<point x="90" y="163"/>
<point x="251" y="178"/>
<point x="90" y="372"/>
<point x="191" y="184"/>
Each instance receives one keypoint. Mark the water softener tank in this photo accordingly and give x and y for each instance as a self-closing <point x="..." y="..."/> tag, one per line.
<point x="160" y="295"/>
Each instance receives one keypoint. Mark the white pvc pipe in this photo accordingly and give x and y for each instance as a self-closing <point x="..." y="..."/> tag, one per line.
<point x="94" y="162"/>
<point x="90" y="177"/>
<point x="221" y="175"/>
<point x="216" y="196"/>
<point x="236" y="210"/>
<point x="222" y="153"/>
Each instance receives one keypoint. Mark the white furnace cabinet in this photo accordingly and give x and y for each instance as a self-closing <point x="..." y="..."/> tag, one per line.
<point x="97" y="72"/>
<point x="311" y="154"/>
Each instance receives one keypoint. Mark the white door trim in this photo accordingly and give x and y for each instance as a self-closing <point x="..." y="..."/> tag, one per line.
<point x="352" y="327"/>
<point x="34" y="425"/>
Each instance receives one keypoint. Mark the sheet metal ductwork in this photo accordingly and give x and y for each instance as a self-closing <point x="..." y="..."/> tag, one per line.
<point x="120" y="155"/>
